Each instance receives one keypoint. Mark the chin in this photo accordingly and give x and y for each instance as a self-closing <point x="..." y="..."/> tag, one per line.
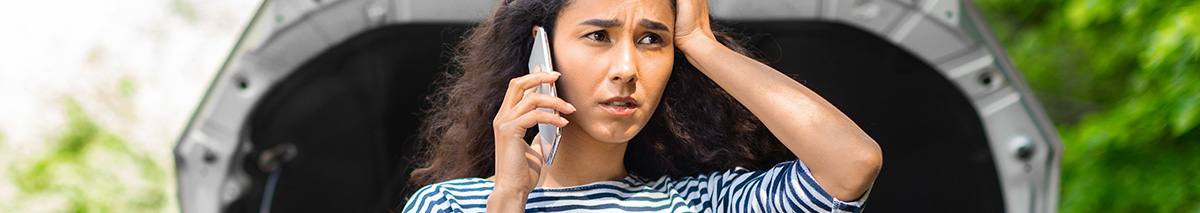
<point x="619" y="134"/>
<point x="610" y="132"/>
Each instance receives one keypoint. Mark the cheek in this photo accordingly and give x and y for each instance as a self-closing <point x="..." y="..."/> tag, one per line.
<point x="656" y="73"/>
<point x="580" y="75"/>
<point x="575" y="89"/>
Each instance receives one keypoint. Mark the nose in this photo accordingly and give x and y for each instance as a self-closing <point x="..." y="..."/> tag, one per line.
<point x="625" y="68"/>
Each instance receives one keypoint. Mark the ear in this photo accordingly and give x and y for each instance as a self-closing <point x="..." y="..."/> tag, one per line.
<point x="534" y="30"/>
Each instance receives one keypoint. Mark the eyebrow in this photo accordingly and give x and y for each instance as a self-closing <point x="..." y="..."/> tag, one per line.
<point x="606" y="23"/>
<point x="653" y="25"/>
<point x="603" y="23"/>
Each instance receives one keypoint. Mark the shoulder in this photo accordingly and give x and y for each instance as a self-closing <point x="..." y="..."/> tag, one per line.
<point x="783" y="168"/>
<point x="465" y="193"/>
<point x="458" y="185"/>
<point x="739" y="179"/>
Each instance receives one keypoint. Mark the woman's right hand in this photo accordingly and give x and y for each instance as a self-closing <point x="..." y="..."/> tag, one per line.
<point x="518" y="164"/>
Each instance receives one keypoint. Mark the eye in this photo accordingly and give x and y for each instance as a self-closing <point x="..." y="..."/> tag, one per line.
<point x="597" y="36"/>
<point x="650" y="39"/>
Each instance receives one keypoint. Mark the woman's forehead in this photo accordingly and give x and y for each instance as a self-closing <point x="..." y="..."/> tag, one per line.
<point x="626" y="11"/>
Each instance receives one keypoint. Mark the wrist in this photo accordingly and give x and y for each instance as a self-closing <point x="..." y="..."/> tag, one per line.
<point x="698" y="46"/>
<point x="505" y="199"/>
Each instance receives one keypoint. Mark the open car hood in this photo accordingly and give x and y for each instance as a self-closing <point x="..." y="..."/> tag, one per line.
<point x="336" y="86"/>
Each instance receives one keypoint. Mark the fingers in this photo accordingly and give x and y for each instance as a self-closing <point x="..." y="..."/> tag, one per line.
<point x="518" y="86"/>
<point x="519" y="164"/>
<point x="521" y="102"/>
<point x="515" y="127"/>
<point x="692" y="23"/>
<point x="537" y="100"/>
<point x="528" y="120"/>
<point x="697" y="6"/>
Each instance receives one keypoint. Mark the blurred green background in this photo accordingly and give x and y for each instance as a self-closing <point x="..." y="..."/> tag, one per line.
<point x="1120" y="79"/>
<point x="93" y="95"/>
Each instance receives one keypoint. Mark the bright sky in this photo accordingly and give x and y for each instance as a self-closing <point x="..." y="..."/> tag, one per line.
<point x="167" y="50"/>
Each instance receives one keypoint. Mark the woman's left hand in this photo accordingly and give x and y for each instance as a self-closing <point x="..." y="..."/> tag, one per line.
<point x="692" y="26"/>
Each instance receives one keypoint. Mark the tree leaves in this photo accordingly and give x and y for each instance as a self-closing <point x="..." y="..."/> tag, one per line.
<point x="88" y="169"/>
<point x="1130" y="71"/>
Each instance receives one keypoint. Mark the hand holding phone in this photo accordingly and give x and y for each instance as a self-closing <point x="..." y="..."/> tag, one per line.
<point x="540" y="57"/>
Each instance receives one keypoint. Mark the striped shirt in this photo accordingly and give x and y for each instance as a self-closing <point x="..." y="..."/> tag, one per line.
<point x="786" y="187"/>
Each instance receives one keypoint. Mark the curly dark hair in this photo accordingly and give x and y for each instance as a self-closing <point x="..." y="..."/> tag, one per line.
<point x="698" y="127"/>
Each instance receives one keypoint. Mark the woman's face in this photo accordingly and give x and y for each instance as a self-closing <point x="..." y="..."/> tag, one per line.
<point x="615" y="57"/>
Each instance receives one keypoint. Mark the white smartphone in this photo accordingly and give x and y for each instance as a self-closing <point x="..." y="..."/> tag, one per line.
<point x="540" y="56"/>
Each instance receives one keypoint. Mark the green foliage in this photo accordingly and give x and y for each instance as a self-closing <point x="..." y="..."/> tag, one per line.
<point x="1121" y="80"/>
<point x="127" y="87"/>
<point x="185" y="9"/>
<point x="90" y="170"/>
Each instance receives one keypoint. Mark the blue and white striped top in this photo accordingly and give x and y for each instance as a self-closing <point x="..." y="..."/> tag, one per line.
<point x="787" y="187"/>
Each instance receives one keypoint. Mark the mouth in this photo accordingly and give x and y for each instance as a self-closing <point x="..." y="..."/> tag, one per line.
<point x="619" y="106"/>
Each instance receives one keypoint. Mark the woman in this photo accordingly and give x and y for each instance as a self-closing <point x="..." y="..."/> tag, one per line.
<point x="658" y="113"/>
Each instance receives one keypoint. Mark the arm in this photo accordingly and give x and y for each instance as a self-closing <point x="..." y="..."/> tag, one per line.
<point x="843" y="158"/>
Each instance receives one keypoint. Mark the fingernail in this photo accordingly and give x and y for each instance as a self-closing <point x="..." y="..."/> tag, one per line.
<point x="572" y="106"/>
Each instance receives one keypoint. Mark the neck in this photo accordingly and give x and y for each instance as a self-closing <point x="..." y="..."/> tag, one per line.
<point x="581" y="159"/>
